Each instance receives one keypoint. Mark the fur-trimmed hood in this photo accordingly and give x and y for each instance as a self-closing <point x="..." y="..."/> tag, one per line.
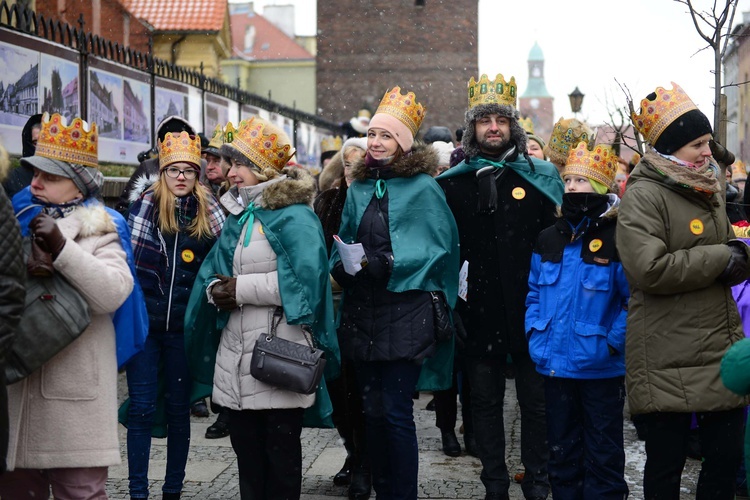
<point x="517" y="133"/>
<point x="140" y="186"/>
<point x="422" y="159"/>
<point x="294" y="185"/>
<point x="93" y="219"/>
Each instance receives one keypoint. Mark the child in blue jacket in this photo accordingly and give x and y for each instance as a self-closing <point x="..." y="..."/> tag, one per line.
<point x="575" y="326"/>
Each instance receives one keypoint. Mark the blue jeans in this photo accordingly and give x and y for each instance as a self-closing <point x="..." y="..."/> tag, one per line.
<point x="387" y="388"/>
<point x="159" y="371"/>
<point x="584" y="429"/>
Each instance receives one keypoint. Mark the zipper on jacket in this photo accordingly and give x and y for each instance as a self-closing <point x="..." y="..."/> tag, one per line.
<point x="171" y="282"/>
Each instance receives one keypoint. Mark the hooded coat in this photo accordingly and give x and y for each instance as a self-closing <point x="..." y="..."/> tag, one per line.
<point x="12" y="295"/>
<point x="63" y="415"/>
<point x="21" y="176"/>
<point x="498" y="243"/>
<point x="681" y="321"/>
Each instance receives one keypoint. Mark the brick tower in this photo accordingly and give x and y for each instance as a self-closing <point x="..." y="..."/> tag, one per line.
<point x="536" y="103"/>
<point x="425" y="46"/>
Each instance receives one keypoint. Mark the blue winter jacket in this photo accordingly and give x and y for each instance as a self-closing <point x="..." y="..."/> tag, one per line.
<point x="577" y="303"/>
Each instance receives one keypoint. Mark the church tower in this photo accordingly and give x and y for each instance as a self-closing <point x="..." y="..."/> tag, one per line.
<point x="536" y="103"/>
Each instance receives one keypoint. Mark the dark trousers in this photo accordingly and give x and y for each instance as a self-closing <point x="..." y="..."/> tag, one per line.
<point x="721" y="437"/>
<point x="348" y="415"/>
<point x="269" y="452"/>
<point x="487" y="380"/>
<point x="387" y="388"/>
<point x="584" y="429"/>
<point x="446" y="407"/>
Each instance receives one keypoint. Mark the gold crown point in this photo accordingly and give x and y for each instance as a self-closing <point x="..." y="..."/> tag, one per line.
<point x="263" y="149"/>
<point x="655" y="116"/>
<point x="497" y="91"/>
<point x="403" y="107"/>
<point x="74" y="143"/>
<point x="599" y="164"/>
<point x="180" y="147"/>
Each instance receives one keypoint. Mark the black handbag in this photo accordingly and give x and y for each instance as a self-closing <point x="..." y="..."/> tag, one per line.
<point x="443" y="325"/>
<point x="54" y="315"/>
<point x="286" y="364"/>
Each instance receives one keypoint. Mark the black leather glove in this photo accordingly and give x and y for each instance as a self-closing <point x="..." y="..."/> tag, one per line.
<point x="224" y="293"/>
<point x="47" y="234"/>
<point x="378" y="266"/>
<point x="461" y="334"/>
<point x="737" y="269"/>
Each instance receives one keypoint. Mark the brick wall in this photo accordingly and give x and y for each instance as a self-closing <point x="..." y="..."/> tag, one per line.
<point x="113" y="22"/>
<point x="366" y="48"/>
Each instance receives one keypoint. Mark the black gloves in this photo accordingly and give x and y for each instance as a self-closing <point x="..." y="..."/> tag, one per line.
<point x="225" y="293"/>
<point x="47" y="234"/>
<point x="461" y="334"/>
<point x="378" y="266"/>
<point x="737" y="269"/>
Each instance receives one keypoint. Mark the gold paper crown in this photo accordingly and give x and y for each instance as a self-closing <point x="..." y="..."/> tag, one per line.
<point x="565" y="135"/>
<point x="73" y="144"/>
<point x="599" y="165"/>
<point x="527" y="124"/>
<point x="222" y="136"/>
<point x="739" y="170"/>
<point x="178" y="148"/>
<point x="658" y="114"/>
<point x="404" y="107"/>
<point x="497" y="91"/>
<point x="331" y="144"/>
<point x="263" y="143"/>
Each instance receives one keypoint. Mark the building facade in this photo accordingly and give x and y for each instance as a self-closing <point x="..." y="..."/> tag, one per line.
<point x="409" y="43"/>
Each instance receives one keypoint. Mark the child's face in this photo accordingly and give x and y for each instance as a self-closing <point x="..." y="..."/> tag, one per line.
<point x="577" y="184"/>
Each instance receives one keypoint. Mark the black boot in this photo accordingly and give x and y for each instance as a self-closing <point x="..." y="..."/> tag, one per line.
<point x="361" y="486"/>
<point x="450" y="444"/>
<point x="170" y="496"/>
<point x="220" y="428"/>
<point x="344" y="476"/>
<point x="471" y="444"/>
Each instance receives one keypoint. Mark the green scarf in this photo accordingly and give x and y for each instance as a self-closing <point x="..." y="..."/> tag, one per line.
<point x="544" y="177"/>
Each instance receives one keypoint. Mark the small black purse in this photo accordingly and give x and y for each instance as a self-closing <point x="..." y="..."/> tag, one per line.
<point x="285" y="364"/>
<point x="443" y="325"/>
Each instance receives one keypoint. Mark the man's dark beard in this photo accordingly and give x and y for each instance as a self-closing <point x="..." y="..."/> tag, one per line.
<point x="493" y="149"/>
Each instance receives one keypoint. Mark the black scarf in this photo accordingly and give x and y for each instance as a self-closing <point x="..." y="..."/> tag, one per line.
<point x="576" y="206"/>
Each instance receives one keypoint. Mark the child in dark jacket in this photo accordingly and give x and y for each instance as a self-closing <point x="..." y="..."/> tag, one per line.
<point x="575" y="325"/>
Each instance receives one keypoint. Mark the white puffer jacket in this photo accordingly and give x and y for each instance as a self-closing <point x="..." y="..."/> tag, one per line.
<point x="258" y="293"/>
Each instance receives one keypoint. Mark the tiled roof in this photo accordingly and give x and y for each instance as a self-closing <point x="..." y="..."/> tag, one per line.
<point x="179" y="15"/>
<point x="269" y="42"/>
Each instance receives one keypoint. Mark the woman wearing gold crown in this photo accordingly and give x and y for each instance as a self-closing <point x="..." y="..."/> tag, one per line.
<point x="174" y="221"/>
<point x="63" y="426"/>
<point x="271" y="253"/>
<point x="680" y="257"/>
<point x="397" y="212"/>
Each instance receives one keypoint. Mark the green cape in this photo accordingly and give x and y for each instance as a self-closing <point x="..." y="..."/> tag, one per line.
<point x="424" y="239"/>
<point x="295" y="234"/>
<point x="545" y="176"/>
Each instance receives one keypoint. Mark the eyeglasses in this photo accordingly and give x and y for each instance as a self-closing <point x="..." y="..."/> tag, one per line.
<point x="175" y="172"/>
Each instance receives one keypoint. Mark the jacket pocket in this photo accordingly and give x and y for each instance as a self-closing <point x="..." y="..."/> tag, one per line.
<point x="595" y="277"/>
<point x="539" y="341"/>
<point x="589" y="347"/>
<point x="73" y="374"/>
<point x="549" y="273"/>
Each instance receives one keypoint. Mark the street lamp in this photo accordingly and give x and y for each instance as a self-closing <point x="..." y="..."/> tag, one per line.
<point x="576" y="100"/>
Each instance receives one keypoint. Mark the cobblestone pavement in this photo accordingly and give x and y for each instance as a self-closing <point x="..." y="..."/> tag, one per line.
<point x="212" y="470"/>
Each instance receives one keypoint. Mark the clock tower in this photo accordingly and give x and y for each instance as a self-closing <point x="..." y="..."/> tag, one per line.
<point x="536" y="103"/>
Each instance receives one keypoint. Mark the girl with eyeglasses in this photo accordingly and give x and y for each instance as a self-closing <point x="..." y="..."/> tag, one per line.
<point x="174" y="221"/>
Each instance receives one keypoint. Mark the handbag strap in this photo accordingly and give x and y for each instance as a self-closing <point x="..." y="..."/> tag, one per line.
<point x="277" y="314"/>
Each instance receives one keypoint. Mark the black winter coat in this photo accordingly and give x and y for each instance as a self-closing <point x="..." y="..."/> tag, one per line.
<point x="12" y="295"/>
<point x="498" y="247"/>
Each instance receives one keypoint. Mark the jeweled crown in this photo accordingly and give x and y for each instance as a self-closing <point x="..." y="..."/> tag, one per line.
<point x="263" y="143"/>
<point x="404" y="107"/>
<point x="655" y="116"/>
<point x="222" y="135"/>
<point x="180" y="147"/>
<point x="599" y="164"/>
<point x="76" y="143"/>
<point x="566" y="134"/>
<point x="497" y="91"/>
<point x="527" y="124"/>
<point x="331" y="144"/>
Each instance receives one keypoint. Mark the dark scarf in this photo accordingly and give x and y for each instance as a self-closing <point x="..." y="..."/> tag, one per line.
<point x="579" y="206"/>
<point x="57" y="211"/>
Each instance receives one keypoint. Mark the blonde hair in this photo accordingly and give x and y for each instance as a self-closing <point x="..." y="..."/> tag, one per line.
<point x="199" y="227"/>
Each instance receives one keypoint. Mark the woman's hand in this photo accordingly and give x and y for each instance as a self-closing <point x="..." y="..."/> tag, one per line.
<point x="224" y="293"/>
<point x="47" y="234"/>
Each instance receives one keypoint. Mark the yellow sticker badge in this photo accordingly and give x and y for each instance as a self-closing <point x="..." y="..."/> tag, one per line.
<point x="518" y="193"/>
<point x="595" y="245"/>
<point x="188" y="255"/>
<point x="260" y="229"/>
<point x="696" y="226"/>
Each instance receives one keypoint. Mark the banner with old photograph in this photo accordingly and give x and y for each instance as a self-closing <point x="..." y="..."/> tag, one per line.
<point x="19" y="93"/>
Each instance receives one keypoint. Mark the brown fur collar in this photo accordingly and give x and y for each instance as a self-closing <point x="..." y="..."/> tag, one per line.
<point x="423" y="159"/>
<point x="298" y="187"/>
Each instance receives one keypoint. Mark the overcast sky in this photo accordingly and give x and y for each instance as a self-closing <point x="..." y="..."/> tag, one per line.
<point x="586" y="43"/>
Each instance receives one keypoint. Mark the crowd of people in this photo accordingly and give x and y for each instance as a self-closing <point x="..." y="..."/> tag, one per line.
<point x="587" y="280"/>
